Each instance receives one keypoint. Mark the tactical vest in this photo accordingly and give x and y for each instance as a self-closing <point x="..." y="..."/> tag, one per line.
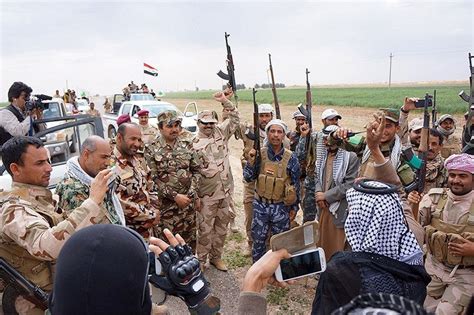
<point x="273" y="182"/>
<point x="36" y="270"/>
<point x="439" y="233"/>
<point x="5" y="135"/>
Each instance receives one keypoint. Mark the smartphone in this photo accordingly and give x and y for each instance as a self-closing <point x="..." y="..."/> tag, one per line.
<point x="301" y="264"/>
<point x="421" y="102"/>
<point x="155" y="265"/>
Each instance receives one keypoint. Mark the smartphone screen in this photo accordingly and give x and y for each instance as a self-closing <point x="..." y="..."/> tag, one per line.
<point x="300" y="265"/>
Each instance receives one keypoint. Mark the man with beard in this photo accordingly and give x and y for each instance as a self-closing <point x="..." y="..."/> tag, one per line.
<point x="447" y="215"/>
<point x="277" y="177"/>
<point x="414" y="133"/>
<point x="446" y="125"/>
<point x="175" y="170"/>
<point x="335" y="172"/>
<point x="136" y="191"/>
<point x="216" y="184"/>
<point x="329" y="117"/>
<point x="32" y="228"/>
<point x="295" y="135"/>
<point x="74" y="188"/>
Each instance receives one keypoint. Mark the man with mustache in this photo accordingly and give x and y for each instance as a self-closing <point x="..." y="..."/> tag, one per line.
<point x="33" y="229"/>
<point x="447" y="215"/>
<point x="135" y="188"/>
<point x="216" y="185"/>
<point x="175" y="170"/>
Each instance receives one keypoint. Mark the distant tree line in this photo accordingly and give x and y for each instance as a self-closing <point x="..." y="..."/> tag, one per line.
<point x="268" y="86"/>
<point x="239" y="87"/>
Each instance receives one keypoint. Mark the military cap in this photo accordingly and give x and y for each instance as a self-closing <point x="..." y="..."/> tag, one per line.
<point x="415" y="124"/>
<point x="125" y="118"/>
<point x="143" y="112"/>
<point x="207" y="116"/>
<point x="391" y="114"/>
<point x="298" y="114"/>
<point x="168" y="117"/>
<point x="444" y="117"/>
<point x="330" y="114"/>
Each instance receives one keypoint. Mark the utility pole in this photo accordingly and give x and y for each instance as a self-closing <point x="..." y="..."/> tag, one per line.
<point x="390" y="72"/>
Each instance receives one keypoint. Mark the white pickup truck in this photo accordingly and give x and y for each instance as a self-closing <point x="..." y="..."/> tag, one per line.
<point x="146" y="101"/>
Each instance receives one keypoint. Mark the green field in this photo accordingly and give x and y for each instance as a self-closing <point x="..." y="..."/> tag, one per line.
<point x="447" y="99"/>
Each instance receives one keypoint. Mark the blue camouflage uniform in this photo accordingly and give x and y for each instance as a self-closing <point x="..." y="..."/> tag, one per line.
<point x="268" y="215"/>
<point x="309" y="200"/>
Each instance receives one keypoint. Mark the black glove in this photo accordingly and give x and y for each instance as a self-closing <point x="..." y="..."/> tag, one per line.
<point x="182" y="277"/>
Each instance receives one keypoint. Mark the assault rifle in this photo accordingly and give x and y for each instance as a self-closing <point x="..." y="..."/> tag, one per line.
<point x="256" y="131"/>
<point x="468" y="131"/>
<point x="307" y="113"/>
<point x="16" y="284"/>
<point x="419" y="163"/>
<point x="230" y="75"/>
<point x="275" y="98"/>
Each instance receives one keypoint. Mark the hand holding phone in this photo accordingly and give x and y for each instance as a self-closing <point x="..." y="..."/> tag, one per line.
<point x="301" y="264"/>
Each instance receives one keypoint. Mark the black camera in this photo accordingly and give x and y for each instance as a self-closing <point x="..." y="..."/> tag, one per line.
<point x="35" y="101"/>
<point x="421" y="102"/>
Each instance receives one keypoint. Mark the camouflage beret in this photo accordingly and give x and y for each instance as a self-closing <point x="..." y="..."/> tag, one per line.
<point x="207" y="116"/>
<point x="390" y="114"/>
<point x="168" y="117"/>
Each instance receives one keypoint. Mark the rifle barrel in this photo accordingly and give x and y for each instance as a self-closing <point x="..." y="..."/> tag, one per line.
<point x="275" y="97"/>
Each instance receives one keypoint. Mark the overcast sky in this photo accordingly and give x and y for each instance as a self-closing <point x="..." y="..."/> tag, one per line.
<point x="100" y="46"/>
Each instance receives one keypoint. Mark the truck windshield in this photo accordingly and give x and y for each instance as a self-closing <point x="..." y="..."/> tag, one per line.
<point x="141" y="97"/>
<point x="51" y="110"/>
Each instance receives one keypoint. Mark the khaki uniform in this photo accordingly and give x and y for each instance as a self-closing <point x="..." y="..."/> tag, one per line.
<point x="447" y="217"/>
<point x="33" y="231"/>
<point x="175" y="170"/>
<point x="93" y="112"/>
<point x="451" y="145"/>
<point x="137" y="196"/>
<point x="215" y="187"/>
<point x="149" y="133"/>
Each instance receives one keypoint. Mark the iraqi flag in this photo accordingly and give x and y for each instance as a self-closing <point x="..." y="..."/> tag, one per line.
<point x="147" y="69"/>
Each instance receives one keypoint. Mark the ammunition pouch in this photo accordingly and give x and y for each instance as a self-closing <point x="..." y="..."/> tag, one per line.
<point x="439" y="234"/>
<point x="273" y="182"/>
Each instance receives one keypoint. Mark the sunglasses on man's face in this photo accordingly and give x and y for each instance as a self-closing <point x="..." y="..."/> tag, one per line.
<point x="208" y="123"/>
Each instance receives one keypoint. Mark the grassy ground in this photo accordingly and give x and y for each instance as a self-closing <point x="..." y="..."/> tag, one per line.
<point x="447" y="98"/>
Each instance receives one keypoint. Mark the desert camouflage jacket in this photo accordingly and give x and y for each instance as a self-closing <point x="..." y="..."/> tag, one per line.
<point x="174" y="168"/>
<point x="137" y="195"/>
<point x="149" y="133"/>
<point x="451" y="145"/>
<point x="30" y="220"/>
<point x="216" y="181"/>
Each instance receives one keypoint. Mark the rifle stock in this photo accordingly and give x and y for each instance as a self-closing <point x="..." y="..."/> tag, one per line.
<point x="275" y="97"/>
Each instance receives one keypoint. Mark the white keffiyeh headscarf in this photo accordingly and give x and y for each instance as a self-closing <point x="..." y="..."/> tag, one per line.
<point x="376" y="224"/>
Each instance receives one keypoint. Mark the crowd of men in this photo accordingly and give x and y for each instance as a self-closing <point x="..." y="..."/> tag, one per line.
<point x="157" y="179"/>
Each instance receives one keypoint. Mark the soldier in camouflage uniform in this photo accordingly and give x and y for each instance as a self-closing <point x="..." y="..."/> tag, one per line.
<point x="329" y="117"/>
<point x="446" y="125"/>
<point x="295" y="135"/>
<point x="175" y="169"/>
<point x="277" y="176"/>
<point x="33" y="229"/>
<point x="216" y="182"/>
<point x="149" y="132"/>
<point x="136" y="189"/>
<point x="391" y="147"/>
<point x="74" y="188"/>
<point x="448" y="217"/>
